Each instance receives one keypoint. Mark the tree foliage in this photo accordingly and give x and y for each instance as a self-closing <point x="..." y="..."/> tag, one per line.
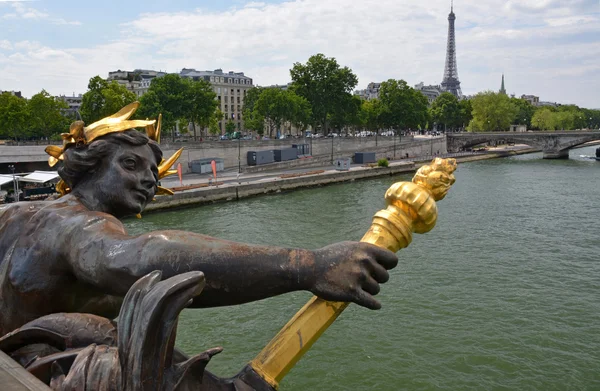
<point x="203" y="103"/>
<point x="104" y="98"/>
<point x="402" y="106"/>
<point x="446" y="111"/>
<point x="46" y="116"/>
<point x="273" y="107"/>
<point x="466" y="113"/>
<point x="525" y="111"/>
<point x="347" y="114"/>
<point x="370" y="114"/>
<point x="14" y="116"/>
<point x="492" y="112"/>
<point x="562" y="118"/>
<point x="180" y="99"/>
<point x="325" y="85"/>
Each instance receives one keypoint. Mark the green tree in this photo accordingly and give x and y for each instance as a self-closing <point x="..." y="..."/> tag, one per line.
<point x="253" y="120"/>
<point x="544" y="119"/>
<point x="324" y="84"/>
<point x="466" y="113"/>
<point x="300" y="111"/>
<point x="274" y="106"/>
<point x="370" y="114"/>
<point x="571" y="117"/>
<point x="104" y="98"/>
<point x="347" y="114"/>
<point x="592" y="118"/>
<point x="402" y="106"/>
<point x="525" y="111"/>
<point x="14" y="116"/>
<point x="230" y="127"/>
<point x="445" y="111"/>
<point x="46" y="115"/>
<point x="169" y="95"/>
<point x="203" y="103"/>
<point x="213" y="124"/>
<point x="491" y="112"/>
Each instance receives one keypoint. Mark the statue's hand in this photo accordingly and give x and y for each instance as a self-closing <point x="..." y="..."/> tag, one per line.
<point x="352" y="272"/>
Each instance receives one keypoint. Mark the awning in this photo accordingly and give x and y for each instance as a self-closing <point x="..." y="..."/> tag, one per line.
<point x="39" y="177"/>
<point x="4" y="179"/>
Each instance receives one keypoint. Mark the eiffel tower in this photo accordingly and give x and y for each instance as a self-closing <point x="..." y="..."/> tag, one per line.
<point x="451" y="83"/>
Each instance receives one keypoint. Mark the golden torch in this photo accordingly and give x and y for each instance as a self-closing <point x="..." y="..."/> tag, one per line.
<point x="410" y="208"/>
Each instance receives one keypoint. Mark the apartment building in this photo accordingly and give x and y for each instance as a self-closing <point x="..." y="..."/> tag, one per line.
<point x="371" y="92"/>
<point x="138" y="81"/>
<point x="74" y="103"/>
<point x="230" y="87"/>
<point x="430" y="92"/>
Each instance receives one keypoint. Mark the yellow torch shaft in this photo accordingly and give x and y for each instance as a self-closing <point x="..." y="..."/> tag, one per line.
<point x="410" y="208"/>
<point x="301" y="332"/>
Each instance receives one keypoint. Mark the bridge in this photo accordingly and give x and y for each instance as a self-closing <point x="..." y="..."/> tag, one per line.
<point x="554" y="145"/>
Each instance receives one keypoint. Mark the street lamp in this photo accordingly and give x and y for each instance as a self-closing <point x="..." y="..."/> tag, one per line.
<point x="239" y="153"/>
<point x="15" y="182"/>
<point x="394" y="144"/>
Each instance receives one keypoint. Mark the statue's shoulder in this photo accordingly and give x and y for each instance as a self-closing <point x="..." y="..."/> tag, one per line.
<point x="63" y="211"/>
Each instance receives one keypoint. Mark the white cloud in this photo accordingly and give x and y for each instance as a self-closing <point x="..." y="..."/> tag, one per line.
<point x="5" y="45"/>
<point x="22" y="11"/>
<point x="545" y="47"/>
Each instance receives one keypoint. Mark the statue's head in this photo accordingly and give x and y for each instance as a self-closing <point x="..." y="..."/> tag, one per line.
<point x="437" y="177"/>
<point x="119" y="171"/>
<point x="110" y="166"/>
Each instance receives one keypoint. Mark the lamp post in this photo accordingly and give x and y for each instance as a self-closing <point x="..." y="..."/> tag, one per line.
<point x="331" y="147"/>
<point x="239" y="153"/>
<point x="15" y="182"/>
<point x="394" y="144"/>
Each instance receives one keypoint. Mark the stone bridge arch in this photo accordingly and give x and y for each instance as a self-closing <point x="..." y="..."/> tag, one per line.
<point x="554" y="145"/>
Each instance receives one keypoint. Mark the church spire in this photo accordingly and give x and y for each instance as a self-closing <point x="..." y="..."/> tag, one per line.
<point x="502" y="89"/>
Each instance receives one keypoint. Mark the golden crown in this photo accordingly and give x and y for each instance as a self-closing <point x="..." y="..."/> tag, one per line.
<point x="118" y="122"/>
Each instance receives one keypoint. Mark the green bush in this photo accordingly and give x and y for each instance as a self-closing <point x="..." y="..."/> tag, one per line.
<point x="383" y="162"/>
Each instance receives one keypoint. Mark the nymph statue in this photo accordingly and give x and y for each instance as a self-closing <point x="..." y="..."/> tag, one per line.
<point x="73" y="254"/>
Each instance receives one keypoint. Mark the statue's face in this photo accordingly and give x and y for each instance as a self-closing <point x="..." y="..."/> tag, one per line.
<point x="126" y="181"/>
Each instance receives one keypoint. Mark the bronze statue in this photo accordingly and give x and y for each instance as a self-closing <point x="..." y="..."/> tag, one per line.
<point x="73" y="255"/>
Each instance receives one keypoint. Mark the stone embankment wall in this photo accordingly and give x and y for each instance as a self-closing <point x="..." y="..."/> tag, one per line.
<point x="230" y="192"/>
<point x="230" y="150"/>
<point x="321" y="148"/>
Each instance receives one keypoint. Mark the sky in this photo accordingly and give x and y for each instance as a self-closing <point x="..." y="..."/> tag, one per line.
<point x="548" y="48"/>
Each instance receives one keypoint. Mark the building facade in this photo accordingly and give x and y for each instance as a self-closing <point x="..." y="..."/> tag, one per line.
<point x="371" y="92"/>
<point x="15" y="93"/>
<point x="137" y="81"/>
<point x="74" y="103"/>
<point x="534" y="100"/>
<point x="230" y="87"/>
<point x="431" y="92"/>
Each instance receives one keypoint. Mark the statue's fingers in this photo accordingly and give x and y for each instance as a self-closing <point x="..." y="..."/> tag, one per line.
<point x="384" y="257"/>
<point x="378" y="272"/>
<point x="366" y="300"/>
<point x="371" y="286"/>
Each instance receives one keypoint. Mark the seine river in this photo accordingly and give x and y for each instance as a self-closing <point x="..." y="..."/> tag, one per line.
<point x="504" y="293"/>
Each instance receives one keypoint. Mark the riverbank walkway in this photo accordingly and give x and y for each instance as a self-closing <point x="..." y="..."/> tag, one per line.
<point x="230" y="185"/>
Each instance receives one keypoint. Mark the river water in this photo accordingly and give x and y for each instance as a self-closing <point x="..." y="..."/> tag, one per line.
<point x="504" y="293"/>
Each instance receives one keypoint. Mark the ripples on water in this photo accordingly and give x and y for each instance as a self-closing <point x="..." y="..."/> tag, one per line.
<point x="504" y="294"/>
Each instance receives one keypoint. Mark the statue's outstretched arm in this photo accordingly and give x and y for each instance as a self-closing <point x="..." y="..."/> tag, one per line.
<point x="103" y="255"/>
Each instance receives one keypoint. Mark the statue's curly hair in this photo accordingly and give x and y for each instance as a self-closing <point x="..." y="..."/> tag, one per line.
<point x="79" y="160"/>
